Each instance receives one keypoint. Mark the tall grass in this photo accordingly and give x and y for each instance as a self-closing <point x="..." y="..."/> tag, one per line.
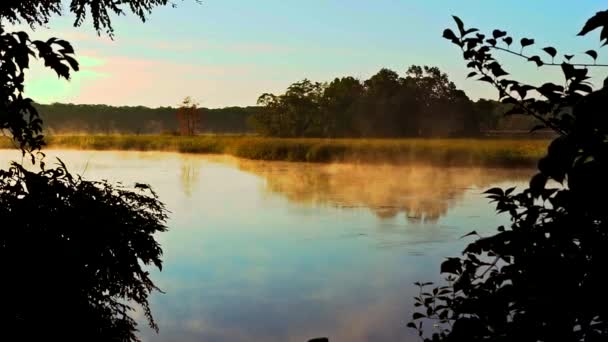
<point x="479" y="152"/>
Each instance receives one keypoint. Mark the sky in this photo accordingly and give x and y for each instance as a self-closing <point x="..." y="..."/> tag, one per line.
<point x="228" y="52"/>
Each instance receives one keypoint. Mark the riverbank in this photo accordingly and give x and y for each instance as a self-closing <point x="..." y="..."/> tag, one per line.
<point x="460" y="152"/>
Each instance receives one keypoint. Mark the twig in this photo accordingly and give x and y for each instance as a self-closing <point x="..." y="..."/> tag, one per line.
<point x="490" y="267"/>
<point x="548" y="64"/>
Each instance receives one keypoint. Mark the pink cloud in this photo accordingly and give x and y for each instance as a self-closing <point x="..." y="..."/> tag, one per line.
<point x="121" y="80"/>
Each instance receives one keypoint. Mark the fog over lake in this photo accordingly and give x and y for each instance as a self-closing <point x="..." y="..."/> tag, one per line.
<point x="277" y="251"/>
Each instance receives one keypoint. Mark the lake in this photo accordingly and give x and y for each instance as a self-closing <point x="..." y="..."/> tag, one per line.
<point x="276" y="251"/>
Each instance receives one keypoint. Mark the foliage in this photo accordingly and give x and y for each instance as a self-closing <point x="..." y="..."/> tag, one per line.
<point x="296" y="113"/>
<point x="72" y="254"/>
<point x="17" y="114"/>
<point x="542" y="277"/>
<point x="422" y="103"/>
<point x="188" y="117"/>
<point x="103" y="119"/>
<point x="37" y="13"/>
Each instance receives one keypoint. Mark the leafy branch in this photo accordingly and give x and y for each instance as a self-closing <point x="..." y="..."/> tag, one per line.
<point x="543" y="63"/>
<point x="553" y="253"/>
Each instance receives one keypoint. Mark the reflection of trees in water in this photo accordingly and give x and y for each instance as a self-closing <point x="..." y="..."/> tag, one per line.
<point x="189" y="174"/>
<point x="422" y="193"/>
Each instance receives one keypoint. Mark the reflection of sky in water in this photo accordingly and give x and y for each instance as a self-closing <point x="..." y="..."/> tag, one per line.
<point x="286" y="252"/>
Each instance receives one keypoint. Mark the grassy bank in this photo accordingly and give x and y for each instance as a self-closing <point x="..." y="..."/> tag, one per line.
<point x="480" y="152"/>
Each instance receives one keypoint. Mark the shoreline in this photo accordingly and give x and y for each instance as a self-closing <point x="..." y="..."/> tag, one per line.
<point x="490" y="152"/>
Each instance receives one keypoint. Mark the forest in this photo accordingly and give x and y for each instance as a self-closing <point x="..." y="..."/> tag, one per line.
<point x="103" y="119"/>
<point x="421" y="103"/>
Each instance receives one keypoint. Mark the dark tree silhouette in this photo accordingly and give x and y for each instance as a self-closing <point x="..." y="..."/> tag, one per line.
<point x="189" y="117"/>
<point x="422" y="103"/>
<point x="72" y="252"/>
<point x="73" y="118"/>
<point x="542" y="277"/>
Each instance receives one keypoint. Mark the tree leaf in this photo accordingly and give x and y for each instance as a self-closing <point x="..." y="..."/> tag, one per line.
<point x="460" y="25"/>
<point x="494" y="191"/>
<point x="508" y="40"/>
<point x="568" y="70"/>
<point x="537" y="184"/>
<point x="497" y="70"/>
<point x="568" y="57"/>
<point x="472" y="74"/>
<point x="417" y="315"/>
<point x="469" y="234"/>
<point x="526" y="42"/>
<point x="592" y="53"/>
<point x="471" y="30"/>
<point x="551" y="51"/>
<point x="487" y="79"/>
<point x="449" y="34"/>
<point x="498" y="34"/>
<point x="537" y="60"/>
<point x="604" y="35"/>
<point x="598" y="20"/>
<point x="451" y="266"/>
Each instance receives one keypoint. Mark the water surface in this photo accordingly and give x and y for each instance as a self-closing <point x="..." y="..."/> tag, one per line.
<point x="274" y="251"/>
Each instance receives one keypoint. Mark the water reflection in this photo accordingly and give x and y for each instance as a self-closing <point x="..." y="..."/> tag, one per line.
<point x="190" y="168"/>
<point x="422" y="193"/>
<point x="284" y="251"/>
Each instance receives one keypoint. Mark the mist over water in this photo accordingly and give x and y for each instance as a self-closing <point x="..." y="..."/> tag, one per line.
<point x="275" y="251"/>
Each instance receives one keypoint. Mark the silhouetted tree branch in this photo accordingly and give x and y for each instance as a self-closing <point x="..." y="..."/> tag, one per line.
<point x="542" y="277"/>
<point x="73" y="253"/>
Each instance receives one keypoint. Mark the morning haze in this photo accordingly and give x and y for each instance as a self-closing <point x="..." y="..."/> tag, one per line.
<point x="303" y="171"/>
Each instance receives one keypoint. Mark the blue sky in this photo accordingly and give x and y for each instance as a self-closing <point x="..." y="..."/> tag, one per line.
<point x="228" y="52"/>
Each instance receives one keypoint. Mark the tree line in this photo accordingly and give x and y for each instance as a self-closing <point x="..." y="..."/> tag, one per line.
<point x="102" y="119"/>
<point x="421" y="103"/>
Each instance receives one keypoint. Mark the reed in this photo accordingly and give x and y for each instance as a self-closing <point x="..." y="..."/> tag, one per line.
<point x="462" y="152"/>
